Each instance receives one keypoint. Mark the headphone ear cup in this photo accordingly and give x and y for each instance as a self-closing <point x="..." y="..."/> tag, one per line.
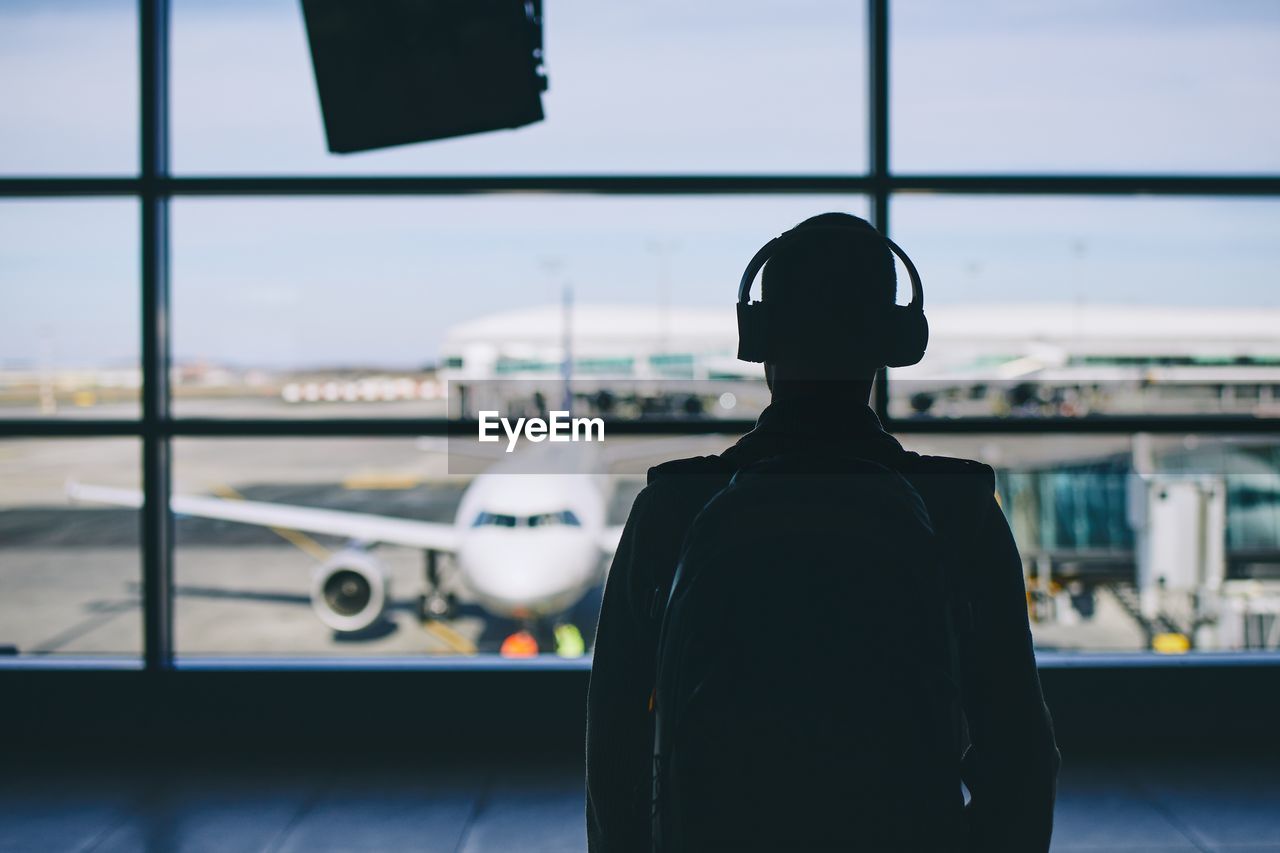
<point x="754" y="343"/>
<point x="906" y="336"/>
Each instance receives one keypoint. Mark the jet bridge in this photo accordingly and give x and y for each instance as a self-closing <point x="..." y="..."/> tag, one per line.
<point x="1174" y="583"/>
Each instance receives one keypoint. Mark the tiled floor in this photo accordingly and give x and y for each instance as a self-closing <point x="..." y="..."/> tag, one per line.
<point x="1169" y="804"/>
<point x="290" y="805"/>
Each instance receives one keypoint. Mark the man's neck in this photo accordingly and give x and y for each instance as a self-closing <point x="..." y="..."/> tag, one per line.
<point x="833" y="392"/>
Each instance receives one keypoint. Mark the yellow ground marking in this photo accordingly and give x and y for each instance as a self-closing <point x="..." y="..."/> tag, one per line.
<point x="298" y="539"/>
<point x="376" y="480"/>
<point x="1171" y="644"/>
<point x="451" y="638"/>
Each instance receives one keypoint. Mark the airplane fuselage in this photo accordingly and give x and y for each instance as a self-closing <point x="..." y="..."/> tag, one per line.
<point x="529" y="544"/>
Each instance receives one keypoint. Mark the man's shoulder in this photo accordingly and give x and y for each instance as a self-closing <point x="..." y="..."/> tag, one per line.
<point x="668" y="475"/>
<point x="682" y="485"/>
<point x="671" y="474"/>
<point x="968" y="470"/>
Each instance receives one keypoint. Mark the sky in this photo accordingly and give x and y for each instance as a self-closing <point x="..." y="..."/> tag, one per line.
<point x="662" y="86"/>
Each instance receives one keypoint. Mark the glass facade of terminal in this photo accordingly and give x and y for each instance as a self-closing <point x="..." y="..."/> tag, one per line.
<point x="233" y="365"/>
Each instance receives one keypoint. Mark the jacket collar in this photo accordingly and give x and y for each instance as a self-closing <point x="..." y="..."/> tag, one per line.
<point x="821" y="424"/>
<point x="820" y="416"/>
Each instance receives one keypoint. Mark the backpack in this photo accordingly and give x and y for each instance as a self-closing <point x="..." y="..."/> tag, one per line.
<point x="806" y="694"/>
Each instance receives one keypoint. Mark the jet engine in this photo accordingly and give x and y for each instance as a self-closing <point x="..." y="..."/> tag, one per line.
<point x="350" y="591"/>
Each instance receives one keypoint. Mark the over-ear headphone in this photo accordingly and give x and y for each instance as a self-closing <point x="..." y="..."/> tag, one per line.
<point x="895" y="336"/>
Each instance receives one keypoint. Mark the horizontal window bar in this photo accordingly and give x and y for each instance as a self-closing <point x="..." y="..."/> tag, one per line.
<point x="11" y="187"/>
<point x="212" y="663"/>
<point x="434" y="426"/>
<point x="1088" y="184"/>
<point x="489" y="663"/>
<point x="236" y="185"/>
<point x="233" y="185"/>
<point x="1044" y="659"/>
<point x="60" y="661"/>
<point x="454" y="185"/>
<point x="42" y="428"/>
<point x="1152" y="660"/>
<point x="1091" y="424"/>
<point x="337" y="427"/>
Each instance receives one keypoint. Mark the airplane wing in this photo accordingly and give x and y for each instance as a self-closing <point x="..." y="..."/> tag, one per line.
<point x="364" y="527"/>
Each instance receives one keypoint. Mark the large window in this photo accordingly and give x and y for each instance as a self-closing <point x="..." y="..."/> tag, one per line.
<point x="319" y="291"/>
<point x="641" y="88"/>
<point x="70" y="102"/>
<point x="232" y="365"/>
<point x="1144" y="86"/>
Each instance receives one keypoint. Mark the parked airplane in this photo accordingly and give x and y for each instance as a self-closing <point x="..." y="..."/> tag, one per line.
<point x="526" y="543"/>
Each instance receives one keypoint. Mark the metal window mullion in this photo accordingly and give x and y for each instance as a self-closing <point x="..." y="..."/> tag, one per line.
<point x="157" y="538"/>
<point x="878" y="153"/>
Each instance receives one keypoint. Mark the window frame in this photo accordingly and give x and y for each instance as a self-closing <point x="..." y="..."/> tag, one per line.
<point x="154" y="187"/>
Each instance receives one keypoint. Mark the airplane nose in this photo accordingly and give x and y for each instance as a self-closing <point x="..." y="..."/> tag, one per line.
<point x="527" y="570"/>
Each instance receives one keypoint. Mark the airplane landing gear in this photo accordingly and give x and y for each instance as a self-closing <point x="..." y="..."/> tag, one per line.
<point x="435" y="603"/>
<point x="544" y="633"/>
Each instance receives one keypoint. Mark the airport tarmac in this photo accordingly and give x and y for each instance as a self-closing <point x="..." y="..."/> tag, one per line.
<point x="71" y="572"/>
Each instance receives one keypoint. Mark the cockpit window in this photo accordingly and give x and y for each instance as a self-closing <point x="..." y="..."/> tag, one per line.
<point x="495" y="519"/>
<point x="565" y="517"/>
<point x="552" y="519"/>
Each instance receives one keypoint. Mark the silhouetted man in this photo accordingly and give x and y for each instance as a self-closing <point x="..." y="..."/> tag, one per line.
<point x="830" y="275"/>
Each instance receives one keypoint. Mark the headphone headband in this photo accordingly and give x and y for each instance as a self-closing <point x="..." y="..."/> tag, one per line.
<point x="768" y="250"/>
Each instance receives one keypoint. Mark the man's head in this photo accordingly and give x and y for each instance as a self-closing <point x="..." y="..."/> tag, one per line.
<point x="829" y="274"/>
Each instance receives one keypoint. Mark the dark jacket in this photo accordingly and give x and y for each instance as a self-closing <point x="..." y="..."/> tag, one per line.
<point x="1013" y="777"/>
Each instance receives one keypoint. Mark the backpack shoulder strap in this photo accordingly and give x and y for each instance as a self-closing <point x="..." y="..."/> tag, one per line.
<point x="958" y="493"/>
<point x="683" y="486"/>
